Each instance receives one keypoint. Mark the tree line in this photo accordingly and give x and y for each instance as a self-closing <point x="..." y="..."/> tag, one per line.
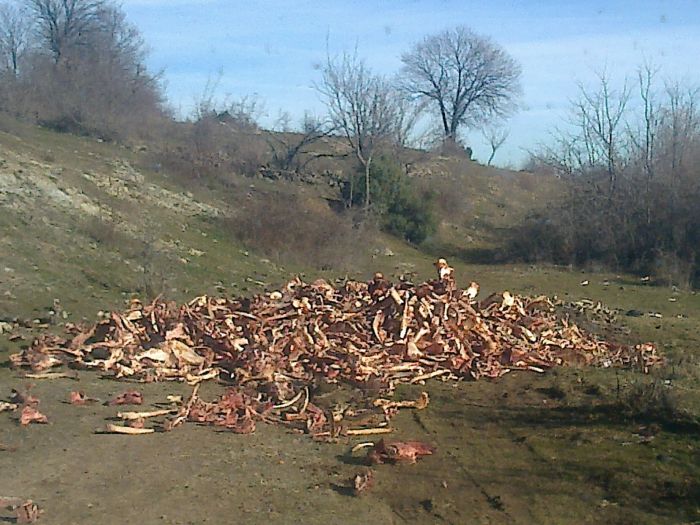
<point x="83" y="55"/>
<point x="77" y="66"/>
<point x="628" y="158"/>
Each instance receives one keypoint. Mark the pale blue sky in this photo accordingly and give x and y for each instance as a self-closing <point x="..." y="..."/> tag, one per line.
<point x="269" y="48"/>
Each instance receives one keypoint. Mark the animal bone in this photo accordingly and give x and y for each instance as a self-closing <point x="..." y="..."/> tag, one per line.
<point x="52" y="375"/>
<point x="368" y="431"/>
<point x="143" y="415"/>
<point x="31" y="415"/>
<point x="362" y="481"/>
<point x="79" y="398"/>
<point x="130" y="397"/>
<point x="387" y="404"/>
<point x="27" y="512"/>
<point x="118" y="429"/>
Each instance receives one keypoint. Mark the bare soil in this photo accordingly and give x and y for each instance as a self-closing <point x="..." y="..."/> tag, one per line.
<point x="518" y="450"/>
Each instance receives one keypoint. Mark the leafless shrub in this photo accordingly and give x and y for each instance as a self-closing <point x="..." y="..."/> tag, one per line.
<point x="288" y="229"/>
<point x="672" y="270"/>
<point x="650" y="398"/>
<point x="15" y="38"/>
<point x="630" y="188"/>
<point x="449" y="194"/>
<point x="109" y="233"/>
<point x="154" y="280"/>
<point x="105" y="232"/>
<point x="292" y="151"/>
<point x="84" y="73"/>
<point x="496" y="137"/>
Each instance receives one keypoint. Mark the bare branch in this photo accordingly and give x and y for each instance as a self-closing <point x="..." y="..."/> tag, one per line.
<point x="288" y="147"/>
<point x="361" y="106"/>
<point x="15" y="29"/>
<point x="467" y="78"/>
<point x="496" y="137"/>
<point x="65" y="24"/>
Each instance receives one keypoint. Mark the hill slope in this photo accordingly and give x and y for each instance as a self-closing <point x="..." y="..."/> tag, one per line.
<point x="90" y="223"/>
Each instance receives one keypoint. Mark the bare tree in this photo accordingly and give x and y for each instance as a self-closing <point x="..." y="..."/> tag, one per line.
<point x="466" y="77"/>
<point x="360" y="106"/>
<point x="283" y="122"/>
<point x="118" y="41"/>
<point x="643" y="139"/>
<point x="83" y="70"/>
<point x="408" y="113"/>
<point x="65" y="23"/>
<point x="632" y="188"/>
<point x="496" y="137"/>
<point x="599" y="115"/>
<point x="15" y="29"/>
<point x="681" y="121"/>
<point x="287" y="147"/>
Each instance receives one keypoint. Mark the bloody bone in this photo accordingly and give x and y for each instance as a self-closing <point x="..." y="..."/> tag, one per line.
<point x="24" y="398"/>
<point x="27" y="512"/>
<point x="130" y="397"/>
<point x="398" y="451"/>
<point x="31" y="415"/>
<point x="79" y="398"/>
<point x="362" y="482"/>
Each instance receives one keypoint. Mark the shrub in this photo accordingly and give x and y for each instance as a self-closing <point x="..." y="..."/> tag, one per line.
<point x="288" y="229"/>
<point x="402" y="207"/>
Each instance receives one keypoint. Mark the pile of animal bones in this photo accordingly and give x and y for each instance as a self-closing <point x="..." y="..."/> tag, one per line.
<point x="273" y="350"/>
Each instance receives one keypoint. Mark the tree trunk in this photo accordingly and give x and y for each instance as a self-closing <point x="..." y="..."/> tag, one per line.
<point x="367" y="175"/>
<point x="493" y="154"/>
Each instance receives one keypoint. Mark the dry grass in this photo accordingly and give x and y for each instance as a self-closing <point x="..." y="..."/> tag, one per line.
<point x="290" y="228"/>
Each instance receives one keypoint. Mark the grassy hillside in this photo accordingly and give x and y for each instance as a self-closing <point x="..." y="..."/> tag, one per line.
<point x="90" y="223"/>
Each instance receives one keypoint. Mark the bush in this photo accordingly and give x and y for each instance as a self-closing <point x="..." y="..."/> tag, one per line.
<point x="410" y="216"/>
<point x="288" y="229"/>
<point x="631" y="190"/>
<point x="624" y="231"/>
<point x="90" y="80"/>
<point x="403" y="209"/>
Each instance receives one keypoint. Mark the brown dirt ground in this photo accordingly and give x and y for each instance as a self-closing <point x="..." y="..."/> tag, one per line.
<point x="509" y="451"/>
